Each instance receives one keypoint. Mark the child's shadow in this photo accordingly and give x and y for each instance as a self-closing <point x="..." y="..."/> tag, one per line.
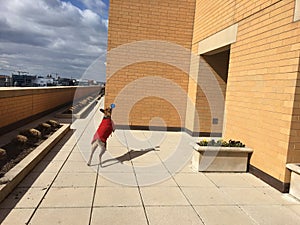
<point x="128" y="156"/>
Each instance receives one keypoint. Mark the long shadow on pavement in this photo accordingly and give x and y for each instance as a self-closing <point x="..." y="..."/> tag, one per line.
<point x="132" y="154"/>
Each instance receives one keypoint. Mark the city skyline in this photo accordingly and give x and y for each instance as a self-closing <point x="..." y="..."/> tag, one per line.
<point x="62" y="37"/>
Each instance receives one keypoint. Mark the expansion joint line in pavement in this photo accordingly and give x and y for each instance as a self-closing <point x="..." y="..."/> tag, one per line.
<point x="95" y="186"/>
<point x="171" y="175"/>
<point x="94" y="194"/>
<point x="137" y="183"/>
<point x="40" y="202"/>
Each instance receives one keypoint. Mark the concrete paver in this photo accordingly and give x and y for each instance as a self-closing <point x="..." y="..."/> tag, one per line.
<point x="146" y="179"/>
<point x="223" y="214"/>
<point x="142" y="181"/>
<point x="114" y="167"/>
<point x="79" y="167"/>
<point x="56" y="156"/>
<point x="155" y="167"/>
<point x="172" y="215"/>
<point x="295" y="208"/>
<point x="68" y="197"/>
<point x="254" y="181"/>
<point x="116" y="179"/>
<point x="207" y="196"/>
<point x="61" y="216"/>
<point x="117" y="196"/>
<point x="23" y="198"/>
<point x="48" y="166"/>
<point x="163" y="196"/>
<point x="193" y="180"/>
<point x="119" y="215"/>
<point x="278" y="197"/>
<point x="38" y="180"/>
<point x="271" y="214"/>
<point x="15" y="216"/>
<point x="232" y="180"/>
<point x="75" y="180"/>
<point x="76" y="156"/>
<point x="249" y="196"/>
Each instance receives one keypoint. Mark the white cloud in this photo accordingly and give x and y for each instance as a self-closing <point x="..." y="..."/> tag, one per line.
<point x="97" y="6"/>
<point x="51" y="36"/>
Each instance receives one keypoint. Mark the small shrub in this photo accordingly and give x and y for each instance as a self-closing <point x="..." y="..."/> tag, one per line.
<point x="20" y="140"/>
<point x="233" y="143"/>
<point x="32" y="134"/>
<point x="53" y="123"/>
<point x="69" y="110"/>
<point x="45" y="128"/>
<point x="2" y="153"/>
<point x="83" y="102"/>
<point x="220" y="142"/>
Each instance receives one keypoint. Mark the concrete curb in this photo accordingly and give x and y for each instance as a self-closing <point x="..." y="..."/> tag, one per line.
<point x="19" y="172"/>
<point x="80" y="114"/>
<point x="85" y="111"/>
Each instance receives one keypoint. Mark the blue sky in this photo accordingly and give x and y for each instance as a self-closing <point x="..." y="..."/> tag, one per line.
<point x="67" y="37"/>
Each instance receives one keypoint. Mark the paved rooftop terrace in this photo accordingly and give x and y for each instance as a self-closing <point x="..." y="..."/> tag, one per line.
<point x="145" y="179"/>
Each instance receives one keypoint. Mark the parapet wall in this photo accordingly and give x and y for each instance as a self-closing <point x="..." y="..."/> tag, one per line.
<point x="19" y="104"/>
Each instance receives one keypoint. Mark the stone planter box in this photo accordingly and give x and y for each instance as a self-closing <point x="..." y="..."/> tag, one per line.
<point x="220" y="159"/>
<point x="81" y="114"/>
<point x="13" y="177"/>
<point x="295" y="179"/>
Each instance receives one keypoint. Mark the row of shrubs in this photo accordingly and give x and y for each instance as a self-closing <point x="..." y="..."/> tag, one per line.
<point x="80" y="105"/>
<point x="222" y="143"/>
<point x="27" y="138"/>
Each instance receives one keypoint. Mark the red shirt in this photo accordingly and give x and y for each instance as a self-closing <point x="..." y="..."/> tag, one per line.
<point x="104" y="130"/>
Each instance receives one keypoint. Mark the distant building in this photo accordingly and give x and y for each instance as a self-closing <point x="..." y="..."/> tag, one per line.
<point x="67" y="82"/>
<point x="23" y="80"/>
<point x="83" y="82"/>
<point x="5" y="81"/>
<point x="43" y="81"/>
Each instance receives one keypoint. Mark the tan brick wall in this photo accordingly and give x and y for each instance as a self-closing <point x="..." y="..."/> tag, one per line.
<point x="166" y="113"/>
<point x="211" y="17"/>
<point x="136" y="20"/>
<point x="263" y="70"/>
<point x="20" y="103"/>
<point x="157" y="97"/>
<point x="261" y="86"/>
<point x="214" y="16"/>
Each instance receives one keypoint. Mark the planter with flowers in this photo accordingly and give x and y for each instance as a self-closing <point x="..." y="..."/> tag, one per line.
<point x="220" y="156"/>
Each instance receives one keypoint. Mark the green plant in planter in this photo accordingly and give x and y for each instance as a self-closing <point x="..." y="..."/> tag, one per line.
<point x="233" y="143"/>
<point x="204" y="142"/>
<point x="220" y="142"/>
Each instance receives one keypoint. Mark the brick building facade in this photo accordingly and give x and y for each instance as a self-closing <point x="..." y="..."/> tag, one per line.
<point x="227" y="68"/>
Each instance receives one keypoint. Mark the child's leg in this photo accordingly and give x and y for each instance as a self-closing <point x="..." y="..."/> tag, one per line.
<point x="102" y="150"/>
<point x="94" y="146"/>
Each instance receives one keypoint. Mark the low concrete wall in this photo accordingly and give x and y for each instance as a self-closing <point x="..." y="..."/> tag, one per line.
<point x="18" y="104"/>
